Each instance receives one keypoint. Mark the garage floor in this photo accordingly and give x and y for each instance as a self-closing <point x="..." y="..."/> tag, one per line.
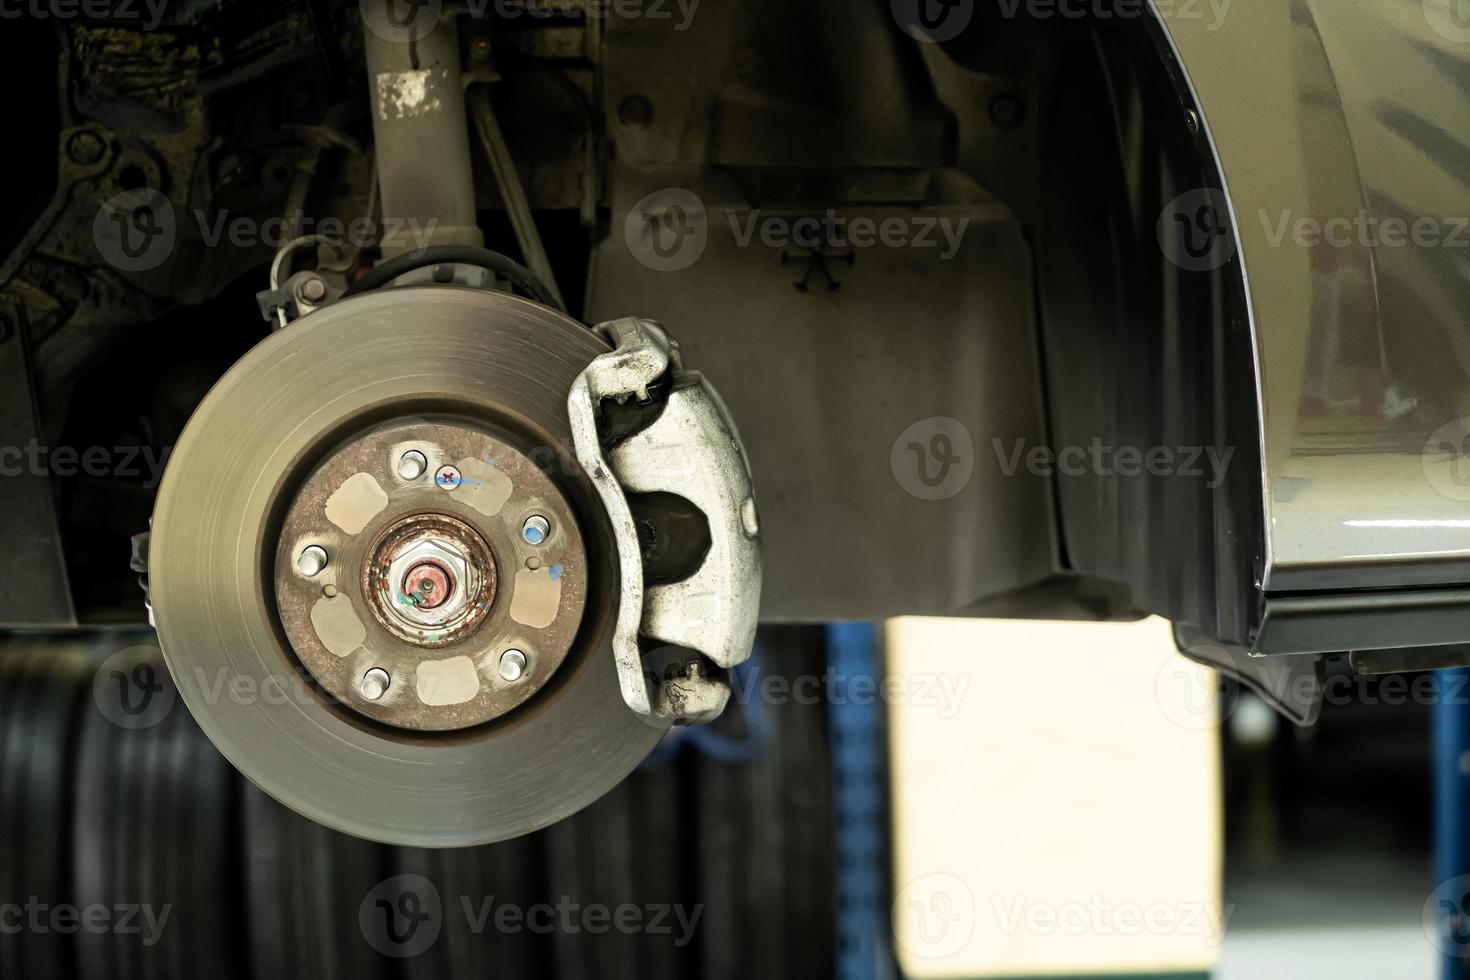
<point x="1329" y="917"/>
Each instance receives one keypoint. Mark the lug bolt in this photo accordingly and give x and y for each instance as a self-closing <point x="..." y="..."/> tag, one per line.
<point x="311" y="560"/>
<point x="411" y="465"/>
<point x="512" y="665"/>
<point x="375" y="684"/>
<point x="448" y="477"/>
<point x="536" y="529"/>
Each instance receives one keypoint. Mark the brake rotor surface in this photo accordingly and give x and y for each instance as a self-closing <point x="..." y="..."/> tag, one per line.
<point x="381" y="582"/>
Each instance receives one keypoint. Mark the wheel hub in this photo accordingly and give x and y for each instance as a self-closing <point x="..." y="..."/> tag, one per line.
<point x="430" y="581"/>
<point x="386" y="590"/>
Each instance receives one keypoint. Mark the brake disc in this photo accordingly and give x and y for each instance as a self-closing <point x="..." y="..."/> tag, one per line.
<point x="382" y="582"/>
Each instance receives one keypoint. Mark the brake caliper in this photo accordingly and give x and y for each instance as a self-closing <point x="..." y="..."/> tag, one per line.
<point x="675" y="639"/>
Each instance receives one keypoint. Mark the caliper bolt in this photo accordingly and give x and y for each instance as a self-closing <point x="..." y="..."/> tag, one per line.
<point x="313" y="290"/>
<point x="512" y="665"/>
<point x="375" y="683"/>
<point x="448" y="477"/>
<point x="411" y="465"/>
<point x="311" y="560"/>
<point x="536" y="529"/>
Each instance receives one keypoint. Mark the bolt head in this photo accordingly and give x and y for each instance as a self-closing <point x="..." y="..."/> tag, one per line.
<point x="411" y="565"/>
<point x="85" y="148"/>
<point x="311" y="560"/>
<point x="448" y="477"/>
<point x="412" y="465"/>
<point x="313" y="290"/>
<point x="536" y="529"/>
<point x="635" y="110"/>
<point x="374" y="684"/>
<point x="1007" y="110"/>
<point x="512" y="665"/>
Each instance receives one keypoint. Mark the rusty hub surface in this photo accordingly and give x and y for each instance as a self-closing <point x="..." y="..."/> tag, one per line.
<point x="428" y="582"/>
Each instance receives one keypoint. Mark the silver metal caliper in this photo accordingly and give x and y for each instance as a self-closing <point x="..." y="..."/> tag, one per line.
<point x="690" y="450"/>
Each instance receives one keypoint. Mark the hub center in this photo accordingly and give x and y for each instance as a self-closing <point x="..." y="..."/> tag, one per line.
<point x="430" y="579"/>
<point x="428" y="584"/>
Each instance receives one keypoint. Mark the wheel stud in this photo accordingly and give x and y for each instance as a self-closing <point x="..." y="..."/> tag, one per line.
<point x="311" y="560"/>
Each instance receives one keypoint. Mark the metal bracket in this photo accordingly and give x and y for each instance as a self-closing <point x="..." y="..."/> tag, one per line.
<point x="693" y="451"/>
<point x="36" y="592"/>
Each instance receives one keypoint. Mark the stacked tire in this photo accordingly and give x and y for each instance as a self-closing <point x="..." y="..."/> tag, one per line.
<point x="132" y="850"/>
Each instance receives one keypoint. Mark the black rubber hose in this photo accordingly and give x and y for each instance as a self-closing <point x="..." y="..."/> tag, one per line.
<point x="502" y="265"/>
